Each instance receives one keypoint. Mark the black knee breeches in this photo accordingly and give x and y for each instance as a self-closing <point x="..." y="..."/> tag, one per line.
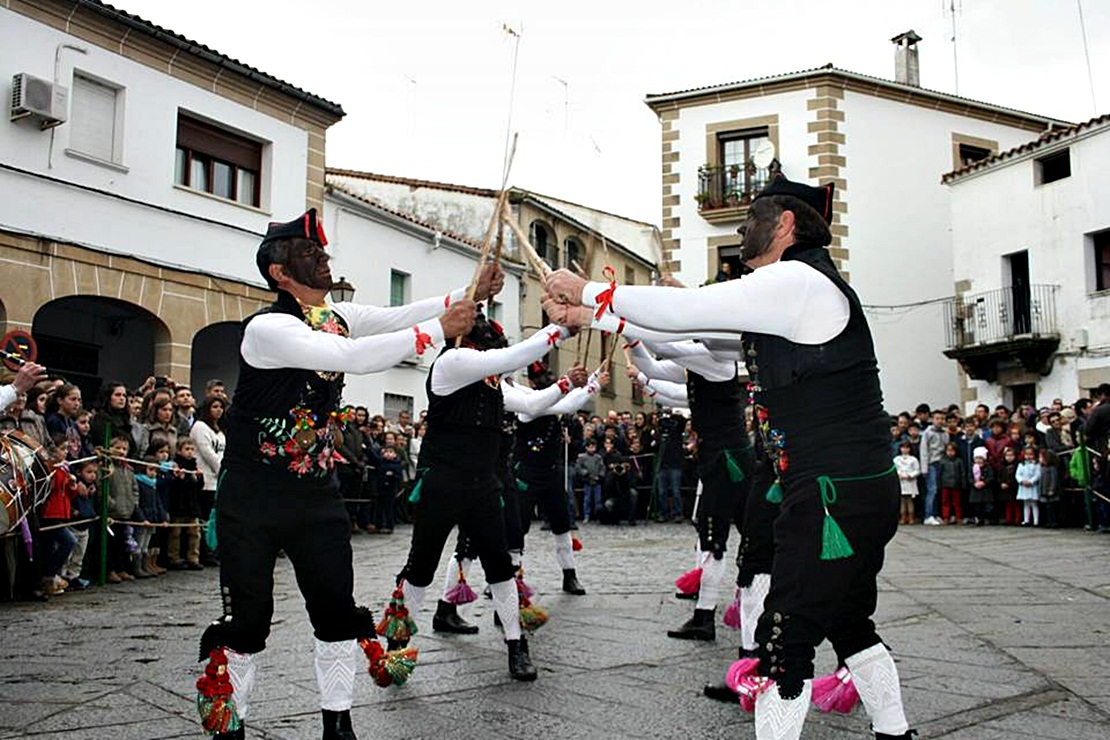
<point x="257" y="517"/>
<point x="724" y="491"/>
<point x="544" y="486"/>
<point x="447" y="499"/>
<point x="812" y="599"/>
<point x="757" y="539"/>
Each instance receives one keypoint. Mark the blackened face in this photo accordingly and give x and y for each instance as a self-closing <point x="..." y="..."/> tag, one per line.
<point x="308" y="265"/>
<point x="758" y="233"/>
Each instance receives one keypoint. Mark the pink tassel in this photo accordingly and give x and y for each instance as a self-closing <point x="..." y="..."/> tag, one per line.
<point x="523" y="589"/>
<point x="732" y="614"/>
<point x="835" y="692"/>
<point x="743" y="679"/>
<point x="689" y="582"/>
<point x="460" y="593"/>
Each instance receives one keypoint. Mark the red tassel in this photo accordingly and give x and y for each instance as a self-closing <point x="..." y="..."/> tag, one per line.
<point x="835" y="692"/>
<point x="689" y="582"/>
<point x="575" y="543"/>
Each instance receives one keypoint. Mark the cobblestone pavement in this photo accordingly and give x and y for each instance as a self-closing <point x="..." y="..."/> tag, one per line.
<point x="998" y="633"/>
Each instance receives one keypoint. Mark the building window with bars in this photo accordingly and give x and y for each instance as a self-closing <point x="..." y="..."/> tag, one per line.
<point x="218" y="162"/>
<point x="1101" y="242"/>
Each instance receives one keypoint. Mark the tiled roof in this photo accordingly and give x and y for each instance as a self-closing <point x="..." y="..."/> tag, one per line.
<point x="461" y="238"/>
<point x="654" y="100"/>
<point x="188" y="45"/>
<point x="413" y="183"/>
<point x="1043" y="140"/>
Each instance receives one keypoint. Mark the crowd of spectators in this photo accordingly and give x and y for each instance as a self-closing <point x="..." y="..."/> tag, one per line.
<point x="157" y="482"/>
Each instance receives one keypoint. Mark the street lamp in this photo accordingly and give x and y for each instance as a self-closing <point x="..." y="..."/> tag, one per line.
<point x="342" y="291"/>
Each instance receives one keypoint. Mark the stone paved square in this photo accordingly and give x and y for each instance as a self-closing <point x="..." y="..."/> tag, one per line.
<point x="998" y="632"/>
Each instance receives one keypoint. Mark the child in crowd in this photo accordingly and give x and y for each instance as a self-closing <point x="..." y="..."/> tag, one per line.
<point x="909" y="470"/>
<point x="152" y="510"/>
<point x="981" y="479"/>
<point x="1028" y="476"/>
<point x="1007" y="486"/>
<point x="390" y="474"/>
<point x="56" y="539"/>
<point x="1050" y="487"/>
<point x="123" y="501"/>
<point x="184" y="488"/>
<point x="590" y="468"/>
<point x="953" y="478"/>
<point x="83" y="505"/>
<point x="82" y="422"/>
<point x="637" y="477"/>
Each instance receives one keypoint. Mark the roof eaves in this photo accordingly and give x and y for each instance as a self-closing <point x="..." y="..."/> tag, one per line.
<point x="659" y="100"/>
<point x="412" y="182"/>
<point x="543" y="205"/>
<point x="1043" y="140"/>
<point x="176" y="40"/>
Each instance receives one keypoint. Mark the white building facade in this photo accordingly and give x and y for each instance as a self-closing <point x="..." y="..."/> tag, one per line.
<point x="1031" y="238"/>
<point x="885" y="146"/>
<point x="391" y="259"/>
<point x="136" y="191"/>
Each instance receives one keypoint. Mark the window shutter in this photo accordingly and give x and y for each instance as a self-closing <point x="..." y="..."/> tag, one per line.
<point x="93" y="119"/>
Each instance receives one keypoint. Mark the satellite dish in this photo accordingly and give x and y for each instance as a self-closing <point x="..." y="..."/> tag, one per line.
<point x="764" y="154"/>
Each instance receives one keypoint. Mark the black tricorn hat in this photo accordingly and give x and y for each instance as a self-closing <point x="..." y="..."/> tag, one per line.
<point x="818" y="198"/>
<point x="306" y="226"/>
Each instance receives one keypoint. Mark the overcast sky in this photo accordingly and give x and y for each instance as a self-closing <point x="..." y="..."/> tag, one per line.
<point x="426" y="84"/>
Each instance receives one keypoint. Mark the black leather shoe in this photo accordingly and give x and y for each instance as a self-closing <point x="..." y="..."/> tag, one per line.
<point x="571" y="584"/>
<point x="686" y="597"/>
<point x="520" y="663"/>
<point x="337" y="725"/>
<point x="237" y="735"/>
<point x="720" y="692"/>
<point x="907" y="735"/>
<point x="699" y="627"/>
<point x="447" y="619"/>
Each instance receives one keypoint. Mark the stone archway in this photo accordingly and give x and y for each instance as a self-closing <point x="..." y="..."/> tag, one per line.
<point x="39" y="271"/>
<point x="89" y="339"/>
<point x="216" y="356"/>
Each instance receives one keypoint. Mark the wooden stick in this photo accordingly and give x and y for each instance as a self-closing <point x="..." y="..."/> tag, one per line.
<point x="501" y="204"/>
<point x="529" y="251"/>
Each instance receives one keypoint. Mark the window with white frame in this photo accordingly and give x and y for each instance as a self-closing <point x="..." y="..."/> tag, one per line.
<point x="96" y="119"/>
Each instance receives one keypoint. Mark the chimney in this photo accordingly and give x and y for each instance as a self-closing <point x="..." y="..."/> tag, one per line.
<point x="906" y="68"/>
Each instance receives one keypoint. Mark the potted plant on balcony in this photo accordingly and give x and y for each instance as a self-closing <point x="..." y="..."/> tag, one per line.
<point x="702" y="200"/>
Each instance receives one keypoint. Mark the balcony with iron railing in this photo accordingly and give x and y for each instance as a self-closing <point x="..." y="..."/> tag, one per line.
<point x="1015" y="324"/>
<point x="726" y="191"/>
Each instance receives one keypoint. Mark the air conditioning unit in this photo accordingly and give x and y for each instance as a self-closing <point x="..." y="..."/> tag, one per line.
<point x="39" y="100"/>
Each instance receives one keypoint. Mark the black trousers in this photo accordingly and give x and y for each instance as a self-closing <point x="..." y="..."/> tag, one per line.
<point x="722" y="499"/>
<point x="757" y="525"/>
<point x="812" y="599"/>
<point x="473" y="503"/>
<point x="544" y="486"/>
<point x="258" y="516"/>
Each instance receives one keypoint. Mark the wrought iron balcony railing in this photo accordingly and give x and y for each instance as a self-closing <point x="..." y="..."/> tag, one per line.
<point x="1000" y="316"/>
<point x="730" y="186"/>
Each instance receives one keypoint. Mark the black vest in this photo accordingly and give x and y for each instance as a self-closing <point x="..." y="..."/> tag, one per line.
<point x="539" y="443"/>
<point x="824" y="398"/>
<point x="716" y="413"/>
<point x="464" y="428"/>
<point x="284" y="419"/>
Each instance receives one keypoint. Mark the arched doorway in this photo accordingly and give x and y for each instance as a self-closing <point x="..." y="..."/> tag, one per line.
<point x="88" y="339"/>
<point x="543" y="239"/>
<point x="216" y="356"/>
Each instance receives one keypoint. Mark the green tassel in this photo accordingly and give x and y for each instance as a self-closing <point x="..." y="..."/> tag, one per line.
<point x="735" y="472"/>
<point x="521" y="485"/>
<point x="414" y="497"/>
<point x="834" y="545"/>
<point x="774" y="493"/>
